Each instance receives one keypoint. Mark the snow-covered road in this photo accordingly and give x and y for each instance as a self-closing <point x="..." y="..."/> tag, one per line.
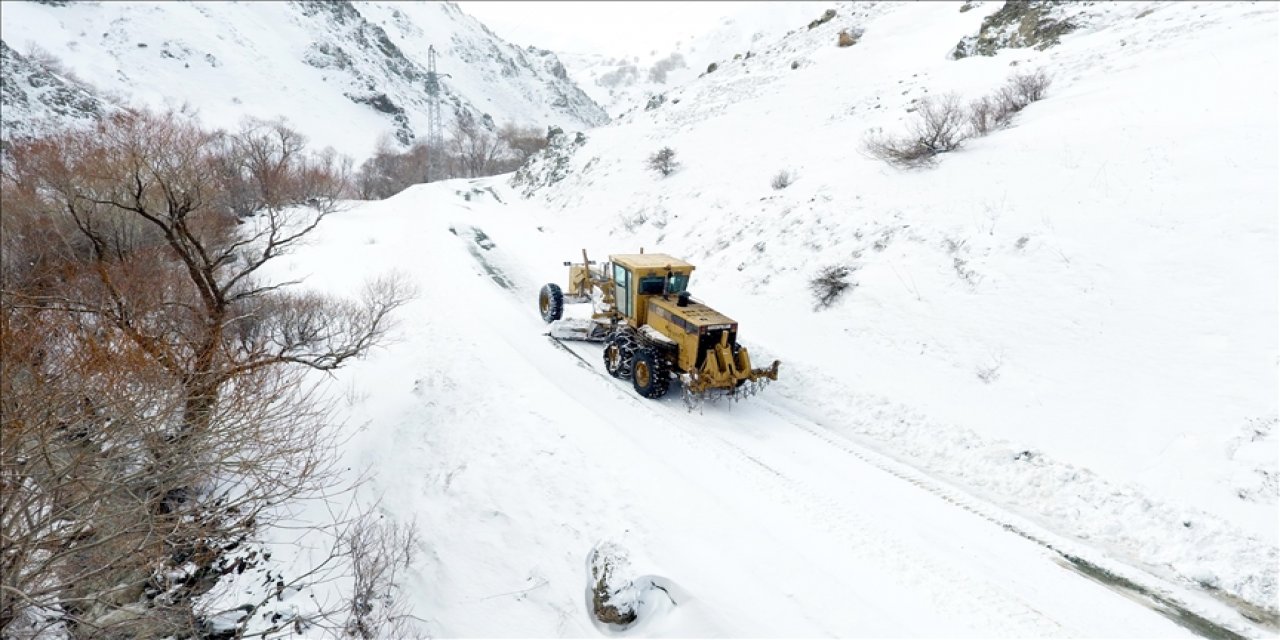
<point x="517" y="460"/>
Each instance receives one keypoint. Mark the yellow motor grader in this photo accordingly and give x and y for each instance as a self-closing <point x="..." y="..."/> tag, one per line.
<point x="652" y="327"/>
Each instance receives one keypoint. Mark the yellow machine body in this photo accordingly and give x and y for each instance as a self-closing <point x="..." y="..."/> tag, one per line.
<point x="648" y="294"/>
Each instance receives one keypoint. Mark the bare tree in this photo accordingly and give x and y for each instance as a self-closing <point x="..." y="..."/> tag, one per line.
<point x="265" y="164"/>
<point x="156" y="403"/>
<point x="389" y="172"/>
<point x="471" y="151"/>
<point x="475" y="148"/>
<point x="522" y="142"/>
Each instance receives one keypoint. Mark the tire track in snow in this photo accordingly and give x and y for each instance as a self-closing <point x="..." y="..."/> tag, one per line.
<point x="1125" y="578"/>
<point x="962" y="595"/>
<point x="952" y="593"/>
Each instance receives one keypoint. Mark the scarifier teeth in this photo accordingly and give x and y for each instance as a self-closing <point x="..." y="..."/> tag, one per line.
<point x="695" y="399"/>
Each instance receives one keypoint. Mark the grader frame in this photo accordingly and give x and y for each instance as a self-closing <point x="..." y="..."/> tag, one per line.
<point x="652" y="326"/>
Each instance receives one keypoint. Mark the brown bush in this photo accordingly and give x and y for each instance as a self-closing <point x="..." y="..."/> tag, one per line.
<point x="845" y="39"/>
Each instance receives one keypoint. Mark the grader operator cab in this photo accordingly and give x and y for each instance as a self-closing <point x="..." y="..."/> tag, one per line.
<point x="652" y="327"/>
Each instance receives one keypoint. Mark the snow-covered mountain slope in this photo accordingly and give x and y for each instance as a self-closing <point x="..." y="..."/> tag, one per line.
<point x="519" y="459"/>
<point x="1045" y="406"/>
<point x="33" y="94"/>
<point x="621" y="83"/>
<point x="344" y="73"/>
<point x="1074" y="316"/>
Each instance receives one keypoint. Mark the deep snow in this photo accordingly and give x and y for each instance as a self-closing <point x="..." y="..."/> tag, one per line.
<point x="1097" y="283"/>
<point x="1062" y="344"/>
<point x="518" y="459"/>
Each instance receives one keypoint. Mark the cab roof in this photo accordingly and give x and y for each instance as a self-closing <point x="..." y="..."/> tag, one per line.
<point x="649" y="261"/>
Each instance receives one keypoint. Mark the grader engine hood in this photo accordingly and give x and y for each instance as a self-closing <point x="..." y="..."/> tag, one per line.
<point x="694" y="317"/>
<point x="708" y="346"/>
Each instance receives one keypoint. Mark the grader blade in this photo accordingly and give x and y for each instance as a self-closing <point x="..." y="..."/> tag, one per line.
<point x="579" y="329"/>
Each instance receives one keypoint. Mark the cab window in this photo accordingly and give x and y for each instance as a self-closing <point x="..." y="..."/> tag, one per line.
<point x="622" y="277"/>
<point x="677" y="283"/>
<point x="650" y="286"/>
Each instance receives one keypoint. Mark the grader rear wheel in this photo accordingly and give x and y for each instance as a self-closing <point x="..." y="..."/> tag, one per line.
<point x="551" y="302"/>
<point x="617" y="355"/>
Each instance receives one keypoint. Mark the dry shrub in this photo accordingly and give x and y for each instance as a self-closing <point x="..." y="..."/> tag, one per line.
<point x="943" y="125"/>
<point x="664" y="161"/>
<point x="996" y="111"/>
<point x="938" y="127"/>
<point x="830" y="283"/>
<point x="1029" y="87"/>
<point x="380" y="551"/>
<point x="782" y="180"/>
<point x="987" y="114"/>
<point x="845" y="39"/>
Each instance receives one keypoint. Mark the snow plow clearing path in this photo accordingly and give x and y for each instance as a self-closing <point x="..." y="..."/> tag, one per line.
<point x="521" y="460"/>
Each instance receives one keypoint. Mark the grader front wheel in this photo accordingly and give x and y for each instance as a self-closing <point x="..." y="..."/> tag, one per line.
<point x="649" y="374"/>
<point x="551" y="302"/>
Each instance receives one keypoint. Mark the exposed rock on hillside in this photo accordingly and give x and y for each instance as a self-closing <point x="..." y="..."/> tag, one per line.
<point x="1019" y="23"/>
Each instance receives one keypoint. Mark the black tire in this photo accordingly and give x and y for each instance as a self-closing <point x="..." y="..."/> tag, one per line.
<point x="551" y="302"/>
<point x="650" y="373"/>
<point x="618" y="352"/>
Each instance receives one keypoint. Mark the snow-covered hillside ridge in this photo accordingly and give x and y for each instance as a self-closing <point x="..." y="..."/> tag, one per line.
<point x="523" y="461"/>
<point x="33" y="93"/>
<point x="343" y="73"/>
<point x="1074" y="316"/>
<point x="621" y="83"/>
